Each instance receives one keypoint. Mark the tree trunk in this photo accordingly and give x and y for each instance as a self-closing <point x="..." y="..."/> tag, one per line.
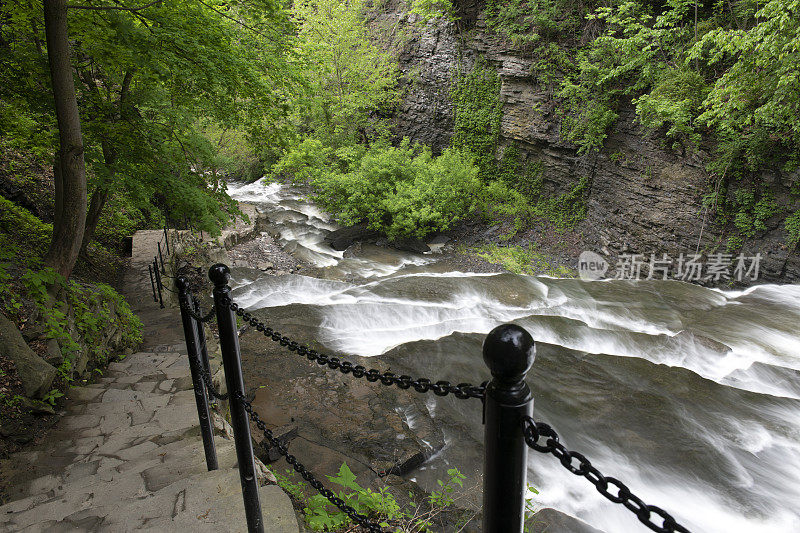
<point x="68" y="229"/>
<point x="96" y="205"/>
<point x="58" y="206"/>
<point x="99" y="196"/>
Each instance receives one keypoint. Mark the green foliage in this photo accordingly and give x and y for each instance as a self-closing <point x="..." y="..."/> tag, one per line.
<point x="305" y="162"/>
<point x="444" y="496"/>
<point x="52" y="396"/>
<point x="567" y="209"/>
<point x="521" y="260"/>
<point x="349" y="79"/>
<point x="18" y="225"/>
<point x="400" y="191"/>
<point x="428" y="10"/>
<point x="321" y="515"/>
<point x="476" y="116"/>
<point x="673" y="104"/>
<point x="295" y="489"/>
<point x="751" y="213"/>
<point x="792" y="224"/>
<point x="754" y="105"/>
<point x="528" y="22"/>
<point x="527" y="179"/>
<point x="381" y="506"/>
<point x="121" y="218"/>
<point x="732" y="75"/>
<point x="10" y="402"/>
<point x="95" y="310"/>
<point x="147" y="81"/>
<point x="531" y="509"/>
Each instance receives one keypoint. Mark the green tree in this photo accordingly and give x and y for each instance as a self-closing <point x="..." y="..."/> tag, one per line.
<point x="149" y="80"/>
<point x="349" y="77"/>
<point x="69" y="168"/>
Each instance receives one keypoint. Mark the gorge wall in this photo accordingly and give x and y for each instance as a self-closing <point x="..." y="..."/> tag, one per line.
<point x="642" y="197"/>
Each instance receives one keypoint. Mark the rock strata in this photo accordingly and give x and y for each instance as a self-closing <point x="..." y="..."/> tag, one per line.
<point x="642" y="197"/>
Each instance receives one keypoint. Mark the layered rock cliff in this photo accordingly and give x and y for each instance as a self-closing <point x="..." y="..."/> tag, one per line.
<point x="642" y="197"/>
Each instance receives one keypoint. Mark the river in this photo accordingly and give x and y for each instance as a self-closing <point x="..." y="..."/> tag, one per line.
<point x="689" y="395"/>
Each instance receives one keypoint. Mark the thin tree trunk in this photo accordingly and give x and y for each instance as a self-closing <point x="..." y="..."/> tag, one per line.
<point x="96" y="205"/>
<point x="58" y="206"/>
<point x="99" y="196"/>
<point x="68" y="231"/>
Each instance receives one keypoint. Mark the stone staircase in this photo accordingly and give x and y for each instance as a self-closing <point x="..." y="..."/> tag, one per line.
<point x="127" y="455"/>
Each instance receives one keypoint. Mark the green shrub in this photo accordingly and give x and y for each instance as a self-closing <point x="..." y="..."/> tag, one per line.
<point x="96" y="310"/>
<point x="18" y="225"/>
<point x="400" y="191"/>
<point x="321" y="515"/>
<point x="380" y="505"/>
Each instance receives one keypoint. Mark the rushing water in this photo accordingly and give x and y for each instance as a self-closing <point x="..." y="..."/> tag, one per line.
<point x="689" y="395"/>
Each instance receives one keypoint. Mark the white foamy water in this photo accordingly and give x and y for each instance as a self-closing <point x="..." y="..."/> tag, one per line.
<point x="734" y="418"/>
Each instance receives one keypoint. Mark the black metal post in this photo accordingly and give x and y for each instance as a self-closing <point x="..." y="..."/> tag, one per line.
<point x="201" y="336"/>
<point x="152" y="282"/>
<point x="190" y="327"/>
<point x="508" y="351"/>
<point x="166" y="239"/>
<point x="163" y="270"/>
<point x="229" y="345"/>
<point x="158" y="282"/>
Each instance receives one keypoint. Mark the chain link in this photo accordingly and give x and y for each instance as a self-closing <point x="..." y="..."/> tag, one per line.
<point x="461" y="391"/>
<point x="356" y="517"/>
<point x="210" y="386"/>
<point x="533" y="431"/>
<point x="199" y="317"/>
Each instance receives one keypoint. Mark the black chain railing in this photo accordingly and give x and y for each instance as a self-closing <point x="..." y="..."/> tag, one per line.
<point x="461" y="391"/>
<point x="276" y="443"/>
<point x="200" y="317"/>
<point x="207" y="379"/>
<point x="533" y="431"/>
<point x="509" y="427"/>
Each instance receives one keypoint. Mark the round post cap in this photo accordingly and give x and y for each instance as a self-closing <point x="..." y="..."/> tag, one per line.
<point x="509" y="351"/>
<point x="182" y="283"/>
<point x="219" y="274"/>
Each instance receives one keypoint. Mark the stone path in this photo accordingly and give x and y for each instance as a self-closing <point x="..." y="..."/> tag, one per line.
<point x="127" y="455"/>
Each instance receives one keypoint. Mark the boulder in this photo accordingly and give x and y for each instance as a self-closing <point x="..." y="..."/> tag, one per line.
<point x="342" y="238"/>
<point x="439" y="239"/>
<point x="410" y="244"/>
<point x="54" y="355"/>
<point x="36" y="374"/>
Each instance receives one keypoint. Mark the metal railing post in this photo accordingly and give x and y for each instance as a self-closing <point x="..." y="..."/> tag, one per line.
<point x="201" y="336"/>
<point x="166" y="239"/>
<point x="190" y="326"/>
<point x="163" y="270"/>
<point x="152" y="282"/>
<point x="219" y="274"/>
<point x="158" y="282"/>
<point x="509" y="352"/>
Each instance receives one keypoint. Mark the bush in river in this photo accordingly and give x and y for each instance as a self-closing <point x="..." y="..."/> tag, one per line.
<point x="399" y="191"/>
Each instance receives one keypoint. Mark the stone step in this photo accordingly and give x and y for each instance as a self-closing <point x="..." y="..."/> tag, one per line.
<point x="157" y="469"/>
<point x="209" y="501"/>
<point x="172" y="493"/>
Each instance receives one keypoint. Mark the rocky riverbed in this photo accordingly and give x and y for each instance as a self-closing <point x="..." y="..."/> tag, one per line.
<point x="385" y="435"/>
